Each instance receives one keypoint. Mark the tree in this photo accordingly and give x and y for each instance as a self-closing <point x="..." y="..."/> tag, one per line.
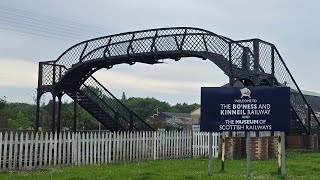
<point x="185" y="108"/>
<point x="123" y="98"/>
<point x="144" y="107"/>
<point x="20" y="121"/>
<point x="2" y="102"/>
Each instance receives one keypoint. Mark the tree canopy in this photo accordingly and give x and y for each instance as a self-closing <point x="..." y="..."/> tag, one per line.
<point x="22" y="115"/>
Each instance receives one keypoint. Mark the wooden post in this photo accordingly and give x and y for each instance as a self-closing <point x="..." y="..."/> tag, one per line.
<point x="283" y="150"/>
<point x="210" y="155"/>
<point x="223" y="149"/>
<point x="248" y="153"/>
<point x="279" y="154"/>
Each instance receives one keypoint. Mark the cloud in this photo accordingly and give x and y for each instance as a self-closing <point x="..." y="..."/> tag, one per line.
<point x="18" y="73"/>
<point x="183" y="77"/>
<point x="169" y="79"/>
<point x="121" y="80"/>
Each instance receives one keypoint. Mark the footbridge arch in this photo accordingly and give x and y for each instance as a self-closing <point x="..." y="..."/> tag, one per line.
<point x="253" y="62"/>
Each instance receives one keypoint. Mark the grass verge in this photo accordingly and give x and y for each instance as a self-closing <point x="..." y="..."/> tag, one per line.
<point x="299" y="165"/>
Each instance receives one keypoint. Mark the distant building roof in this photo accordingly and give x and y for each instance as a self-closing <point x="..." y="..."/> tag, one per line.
<point x="177" y="115"/>
<point x="196" y="111"/>
<point x="310" y="93"/>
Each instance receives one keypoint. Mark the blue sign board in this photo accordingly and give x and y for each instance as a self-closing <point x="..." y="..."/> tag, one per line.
<point x="245" y="109"/>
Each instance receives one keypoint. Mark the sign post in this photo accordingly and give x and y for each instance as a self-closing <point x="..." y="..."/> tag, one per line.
<point x="248" y="153"/>
<point x="223" y="150"/>
<point x="210" y="154"/>
<point x="245" y="109"/>
<point x="283" y="153"/>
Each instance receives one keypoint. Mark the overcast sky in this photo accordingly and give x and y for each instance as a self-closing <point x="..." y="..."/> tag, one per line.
<point x="293" y="26"/>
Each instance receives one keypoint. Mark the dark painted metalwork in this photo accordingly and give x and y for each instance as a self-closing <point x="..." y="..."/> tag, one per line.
<point x="75" y="98"/>
<point x="131" y="121"/>
<point x="272" y="67"/>
<point x="53" y="122"/>
<point x="309" y="118"/>
<point x="253" y="62"/>
<point x="59" y="112"/>
<point x="38" y="111"/>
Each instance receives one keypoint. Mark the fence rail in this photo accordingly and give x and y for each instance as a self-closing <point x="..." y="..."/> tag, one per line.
<point x="31" y="150"/>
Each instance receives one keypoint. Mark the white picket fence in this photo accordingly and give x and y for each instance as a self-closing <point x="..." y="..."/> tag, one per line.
<point x="30" y="150"/>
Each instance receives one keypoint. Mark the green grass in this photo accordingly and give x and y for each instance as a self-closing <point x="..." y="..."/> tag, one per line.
<point x="299" y="165"/>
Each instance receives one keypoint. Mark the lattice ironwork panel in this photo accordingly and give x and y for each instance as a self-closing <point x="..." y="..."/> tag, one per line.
<point x="93" y="45"/>
<point x="110" y="104"/>
<point x="166" y="44"/>
<point x="194" y="43"/>
<point x="236" y="55"/>
<point x="141" y="46"/>
<point x="71" y="56"/>
<point x="47" y="74"/>
<point x="297" y="99"/>
<point x="217" y="45"/>
<point x="265" y="59"/>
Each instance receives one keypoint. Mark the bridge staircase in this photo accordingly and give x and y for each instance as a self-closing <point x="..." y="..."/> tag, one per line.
<point x="303" y="118"/>
<point x="96" y="100"/>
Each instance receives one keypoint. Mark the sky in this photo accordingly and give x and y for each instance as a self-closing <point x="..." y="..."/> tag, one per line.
<point x="293" y="26"/>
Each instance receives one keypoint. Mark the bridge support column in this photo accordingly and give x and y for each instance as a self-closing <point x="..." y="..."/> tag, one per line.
<point x="53" y="126"/>
<point x="38" y="111"/>
<point x="131" y="121"/>
<point x="272" y="79"/>
<point x="59" y="112"/>
<point x="245" y="63"/>
<point x="309" y="118"/>
<point x="256" y="65"/>
<point x="74" y="126"/>
<point x="231" y="83"/>
<point x="256" y="61"/>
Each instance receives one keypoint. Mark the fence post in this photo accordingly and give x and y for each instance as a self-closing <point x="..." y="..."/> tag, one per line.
<point x="155" y="145"/>
<point x="10" y="150"/>
<point x="31" y="150"/>
<point x="26" y="151"/>
<point x="15" y="153"/>
<point x="20" y="149"/>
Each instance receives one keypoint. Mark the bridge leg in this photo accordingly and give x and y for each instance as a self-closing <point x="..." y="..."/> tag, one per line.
<point x="38" y="111"/>
<point x="256" y="65"/>
<point x="256" y="61"/>
<point x="59" y="113"/>
<point x="231" y="83"/>
<point x="74" y="127"/>
<point x="131" y="121"/>
<point x="53" y="126"/>
<point x="309" y="119"/>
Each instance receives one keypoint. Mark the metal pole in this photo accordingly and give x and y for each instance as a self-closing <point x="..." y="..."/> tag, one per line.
<point x="245" y="59"/>
<point x="283" y="150"/>
<point x="131" y="121"/>
<point x="38" y="111"/>
<point x="248" y="153"/>
<point x="74" y="127"/>
<point x="53" y="126"/>
<point x="210" y="154"/>
<point x="309" y="118"/>
<point x="272" y="66"/>
<point x="256" y="62"/>
<point x="59" y="113"/>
